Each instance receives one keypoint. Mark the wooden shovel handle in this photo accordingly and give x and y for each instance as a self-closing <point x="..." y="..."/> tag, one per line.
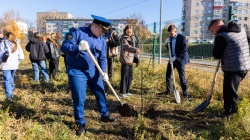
<point x="209" y="96"/>
<point x="102" y="74"/>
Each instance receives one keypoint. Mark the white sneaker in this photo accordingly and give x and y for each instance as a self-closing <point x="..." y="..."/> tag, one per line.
<point x="129" y="94"/>
<point x="123" y="95"/>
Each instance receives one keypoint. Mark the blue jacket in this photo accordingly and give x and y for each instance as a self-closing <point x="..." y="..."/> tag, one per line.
<point x="181" y="49"/>
<point x="80" y="59"/>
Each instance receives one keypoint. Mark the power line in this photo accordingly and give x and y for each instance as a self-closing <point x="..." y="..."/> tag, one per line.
<point x="125" y="7"/>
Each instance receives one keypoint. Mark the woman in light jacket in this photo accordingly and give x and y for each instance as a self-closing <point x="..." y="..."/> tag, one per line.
<point x="11" y="65"/>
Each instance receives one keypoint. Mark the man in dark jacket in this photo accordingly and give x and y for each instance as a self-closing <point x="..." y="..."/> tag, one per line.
<point x="180" y="58"/>
<point x="231" y="46"/>
<point x="38" y="49"/>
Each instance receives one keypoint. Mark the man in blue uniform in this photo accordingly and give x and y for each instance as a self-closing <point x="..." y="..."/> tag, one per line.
<point x="82" y="71"/>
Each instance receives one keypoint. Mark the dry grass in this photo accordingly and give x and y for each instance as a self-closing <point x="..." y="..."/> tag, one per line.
<point x="45" y="111"/>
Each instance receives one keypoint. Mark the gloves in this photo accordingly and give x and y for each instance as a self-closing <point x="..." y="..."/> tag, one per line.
<point x="168" y="40"/>
<point x="105" y="77"/>
<point x="84" y="45"/>
<point x="172" y="59"/>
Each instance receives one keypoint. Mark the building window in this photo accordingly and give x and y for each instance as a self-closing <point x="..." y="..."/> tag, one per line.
<point x="197" y="11"/>
<point x="240" y="4"/>
<point x="209" y="11"/>
<point x="49" y="26"/>
<point x="203" y="18"/>
<point x="245" y="18"/>
<point x="208" y="18"/>
<point x="246" y="4"/>
<point x="239" y="24"/>
<point x="217" y="4"/>
<point x="196" y="24"/>
<point x="239" y="18"/>
<point x="245" y="25"/>
<point x="209" y="4"/>
<point x="203" y="3"/>
<point x="195" y="31"/>
<point x="203" y="11"/>
<point x="239" y="11"/>
<point x="196" y="18"/>
<point x="197" y="4"/>
<point x="246" y="11"/>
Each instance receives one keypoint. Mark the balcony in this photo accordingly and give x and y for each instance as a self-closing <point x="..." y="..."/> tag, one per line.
<point x="217" y="7"/>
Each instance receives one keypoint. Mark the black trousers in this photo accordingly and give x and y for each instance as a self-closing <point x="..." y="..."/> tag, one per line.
<point x="53" y="66"/>
<point x="110" y="61"/>
<point x="181" y="71"/>
<point x="126" y="78"/>
<point x="231" y="83"/>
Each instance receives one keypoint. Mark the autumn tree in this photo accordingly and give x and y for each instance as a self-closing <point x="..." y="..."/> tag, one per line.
<point x="139" y="27"/>
<point x="8" y="23"/>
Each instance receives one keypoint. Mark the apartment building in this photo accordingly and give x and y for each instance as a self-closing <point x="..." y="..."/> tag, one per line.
<point x="42" y="16"/>
<point x="197" y="14"/>
<point x="63" y="25"/>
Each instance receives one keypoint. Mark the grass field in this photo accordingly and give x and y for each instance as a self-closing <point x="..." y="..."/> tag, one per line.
<point x="45" y="110"/>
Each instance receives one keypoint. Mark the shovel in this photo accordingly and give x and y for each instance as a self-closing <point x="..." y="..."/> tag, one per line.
<point x="204" y="104"/>
<point x="124" y="109"/>
<point x="176" y="92"/>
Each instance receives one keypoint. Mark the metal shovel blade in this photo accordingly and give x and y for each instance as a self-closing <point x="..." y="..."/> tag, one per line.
<point x="126" y="110"/>
<point x="177" y="96"/>
<point x="202" y="106"/>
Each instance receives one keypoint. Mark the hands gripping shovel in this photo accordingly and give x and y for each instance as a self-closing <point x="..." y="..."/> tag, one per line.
<point x="124" y="109"/>
<point x="204" y="104"/>
<point x="176" y="92"/>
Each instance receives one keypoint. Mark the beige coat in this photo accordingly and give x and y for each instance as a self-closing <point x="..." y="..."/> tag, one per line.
<point x="128" y="50"/>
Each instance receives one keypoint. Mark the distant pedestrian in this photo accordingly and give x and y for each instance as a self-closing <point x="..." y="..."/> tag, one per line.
<point x="112" y="41"/>
<point x="231" y="46"/>
<point x="179" y="58"/>
<point x="127" y="54"/>
<point x="11" y="65"/>
<point x="55" y="53"/>
<point x="38" y="49"/>
<point x="81" y="69"/>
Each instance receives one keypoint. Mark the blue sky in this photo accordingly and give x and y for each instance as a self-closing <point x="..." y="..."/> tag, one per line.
<point x="149" y="9"/>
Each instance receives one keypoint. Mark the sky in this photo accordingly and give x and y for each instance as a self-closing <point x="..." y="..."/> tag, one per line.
<point x="148" y="9"/>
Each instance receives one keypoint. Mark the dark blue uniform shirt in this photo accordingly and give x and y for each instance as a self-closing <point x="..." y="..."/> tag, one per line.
<point x="80" y="59"/>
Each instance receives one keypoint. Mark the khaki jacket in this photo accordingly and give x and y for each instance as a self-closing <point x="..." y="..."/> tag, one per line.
<point x="128" y="50"/>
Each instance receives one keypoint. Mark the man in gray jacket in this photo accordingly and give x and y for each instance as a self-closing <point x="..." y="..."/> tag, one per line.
<point x="231" y="46"/>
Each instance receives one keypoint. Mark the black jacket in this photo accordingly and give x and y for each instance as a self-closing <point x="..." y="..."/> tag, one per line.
<point x="38" y="49"/>
<point x="114" y="41"/>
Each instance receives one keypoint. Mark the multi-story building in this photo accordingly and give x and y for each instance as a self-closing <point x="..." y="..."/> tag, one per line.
<point x="63" y="25"/>
<point x="42" y="16"/>
<point x="197" y="14"/>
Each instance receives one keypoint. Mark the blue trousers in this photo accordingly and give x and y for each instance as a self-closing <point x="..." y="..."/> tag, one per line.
<point x="181" y="71"/>
<point x="78" y="81"/>
<point x="36" y="66"/>
<point x="9" y="86"/>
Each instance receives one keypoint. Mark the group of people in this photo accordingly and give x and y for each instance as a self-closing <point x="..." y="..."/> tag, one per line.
<point x="42" y="49"/>
<point x="230" y="46"/>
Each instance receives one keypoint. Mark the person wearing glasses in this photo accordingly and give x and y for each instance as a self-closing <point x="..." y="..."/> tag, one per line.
<point x="81" y="69"/>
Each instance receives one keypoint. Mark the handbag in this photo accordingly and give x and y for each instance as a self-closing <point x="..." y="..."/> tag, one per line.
<point x="113" y="51"/>
<point x="6" y="54"/>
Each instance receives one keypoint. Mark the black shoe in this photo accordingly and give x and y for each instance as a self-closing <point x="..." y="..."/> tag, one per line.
<point x="163" y="93"/>
<point x="80" y="130"/>
<point x="221" y="116"/>
<point x="107" y="119"/>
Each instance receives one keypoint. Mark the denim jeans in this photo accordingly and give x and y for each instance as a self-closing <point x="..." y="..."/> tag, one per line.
<point x="37" y="66"/>
<point x="9" y="86"/>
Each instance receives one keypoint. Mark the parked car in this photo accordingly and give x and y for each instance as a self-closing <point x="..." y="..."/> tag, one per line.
<point x="205" y="41"/>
